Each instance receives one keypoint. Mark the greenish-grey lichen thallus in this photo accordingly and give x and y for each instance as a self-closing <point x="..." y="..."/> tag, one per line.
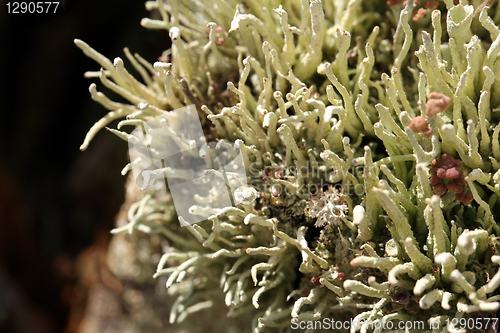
<point x="370" y="135"/>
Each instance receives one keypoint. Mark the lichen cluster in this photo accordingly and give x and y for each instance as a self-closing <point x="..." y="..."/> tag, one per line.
<point x="345" y="112"/>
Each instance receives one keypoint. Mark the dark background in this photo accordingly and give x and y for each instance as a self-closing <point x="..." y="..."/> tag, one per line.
<point x="57" y="204"/>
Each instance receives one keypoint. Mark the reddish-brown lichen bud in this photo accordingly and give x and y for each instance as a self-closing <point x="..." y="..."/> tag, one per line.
<point x="461" y="179"/>
<point x="465" y="197"/>
<point x="315" y="280"/>
<point x="437" y="103"/>
<point x="446" y="161"/>
<point x="447" y="177"/>
<point x="419" y="125"/>
<point x="455" y="188"/>
<point x="422" y="11"/>
<point x="441" y="173"/>
<point x="452" y="173"/>
<point x="435" y="180"/>
<point x="439" y="189"/>
<point x="417" y="17"/>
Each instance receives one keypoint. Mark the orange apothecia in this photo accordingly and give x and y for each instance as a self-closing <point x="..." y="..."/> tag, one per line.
<point x="437" y="103"/>
<point x="420" y="125"/>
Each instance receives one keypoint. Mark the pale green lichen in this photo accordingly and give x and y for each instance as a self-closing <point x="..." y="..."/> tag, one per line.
<point x="314" y="107"/>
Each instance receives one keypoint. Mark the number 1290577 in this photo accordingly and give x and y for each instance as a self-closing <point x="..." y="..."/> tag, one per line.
<point x="42" y="7"/>
<point x="472" y="323"/>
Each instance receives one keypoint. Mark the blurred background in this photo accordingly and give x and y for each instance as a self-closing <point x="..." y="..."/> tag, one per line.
<point x="57" y="204"/>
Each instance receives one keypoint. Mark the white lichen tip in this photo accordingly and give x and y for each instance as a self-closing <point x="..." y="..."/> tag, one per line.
<point x="174" y="33"/>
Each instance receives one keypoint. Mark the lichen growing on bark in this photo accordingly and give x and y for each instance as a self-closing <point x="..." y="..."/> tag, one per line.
<point x="346" y="114"/>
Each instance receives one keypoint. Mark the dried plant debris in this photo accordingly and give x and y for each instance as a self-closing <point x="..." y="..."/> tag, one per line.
<point x="370" y="136"/>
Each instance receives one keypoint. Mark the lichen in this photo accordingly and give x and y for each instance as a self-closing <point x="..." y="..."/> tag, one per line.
<point x="348" y="115"/>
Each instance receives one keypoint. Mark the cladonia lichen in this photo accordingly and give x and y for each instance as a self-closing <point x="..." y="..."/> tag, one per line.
<point x="370" y="136"/>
